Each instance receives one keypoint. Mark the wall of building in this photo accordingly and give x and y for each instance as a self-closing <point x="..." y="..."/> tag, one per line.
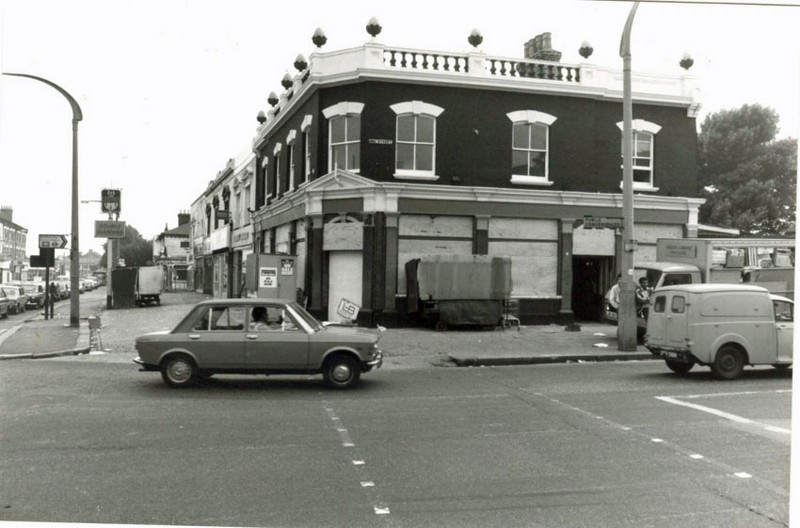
<point x="473" y="138"/>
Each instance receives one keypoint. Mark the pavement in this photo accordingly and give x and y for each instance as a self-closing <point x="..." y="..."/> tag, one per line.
<point x="36" y="338"/>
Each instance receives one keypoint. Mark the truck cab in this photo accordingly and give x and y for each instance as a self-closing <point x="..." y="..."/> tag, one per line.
<point x="722" y="326"/>
<point x="659" y="275"/>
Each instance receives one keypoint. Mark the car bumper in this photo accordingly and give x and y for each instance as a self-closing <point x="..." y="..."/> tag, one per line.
<point x="145" y="366"/>
<point x="375" y="362"/>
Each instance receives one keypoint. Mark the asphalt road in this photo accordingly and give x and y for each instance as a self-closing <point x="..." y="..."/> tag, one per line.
<point x="605" y="444"/>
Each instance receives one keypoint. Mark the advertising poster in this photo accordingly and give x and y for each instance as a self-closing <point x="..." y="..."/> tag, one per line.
<point x="268" y="278"/>
<point x="287" y="267"/>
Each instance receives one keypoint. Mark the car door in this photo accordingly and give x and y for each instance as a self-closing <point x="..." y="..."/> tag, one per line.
<point x="216" y="337"/>
<point x="279" y="344"/>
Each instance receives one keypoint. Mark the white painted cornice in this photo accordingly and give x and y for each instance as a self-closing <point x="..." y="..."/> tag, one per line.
<point x="385" y="196"/>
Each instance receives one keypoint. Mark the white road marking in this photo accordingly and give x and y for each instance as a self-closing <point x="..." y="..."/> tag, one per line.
<point x="775" y="429"/>
<point x="656" y="440"/>
<point x="696" y="456"/>
<point x="743" y="475"/>
<point x="703" y="408"/>
<point x="379" y="507"/>
<point x="741" y="393"/>
<point x="722" y="414"/>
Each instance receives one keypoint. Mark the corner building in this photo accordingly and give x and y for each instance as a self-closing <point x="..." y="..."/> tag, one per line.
<point x="376" y="155"/>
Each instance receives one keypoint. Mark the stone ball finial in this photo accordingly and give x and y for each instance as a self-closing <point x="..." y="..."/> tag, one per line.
<point x="475" y="38"/>
<point x="373" y="27"/>
<point x="319" y="39"/>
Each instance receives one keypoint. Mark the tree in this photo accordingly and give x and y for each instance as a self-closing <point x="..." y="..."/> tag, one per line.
<point x="748" y="178"/>
<point x="135" y="250"/>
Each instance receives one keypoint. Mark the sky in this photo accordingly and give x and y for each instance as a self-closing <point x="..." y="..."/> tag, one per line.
<point x="170" y="89"/>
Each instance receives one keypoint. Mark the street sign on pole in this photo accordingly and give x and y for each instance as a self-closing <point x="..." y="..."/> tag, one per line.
<point x="109" y="229"/>
<point x="111" y="201"/>
<point x="53" y="241"/>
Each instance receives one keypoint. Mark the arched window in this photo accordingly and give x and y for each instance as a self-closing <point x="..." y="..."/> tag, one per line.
<point x="344" y="135"/>
<point x="644" y="133"/>
<point x="530" y="147"/>
<point x="415" y="149"/>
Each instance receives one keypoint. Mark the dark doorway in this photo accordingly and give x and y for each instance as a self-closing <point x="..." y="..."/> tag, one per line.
<point x="588" y="280"/>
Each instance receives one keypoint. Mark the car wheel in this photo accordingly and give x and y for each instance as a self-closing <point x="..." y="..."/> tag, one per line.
<point x="679" y="367"/>
<point x="341" y="372"/>
<point x="729" y="363"/>
<point x="179" y="370"/>
<point x="441" y="326"/>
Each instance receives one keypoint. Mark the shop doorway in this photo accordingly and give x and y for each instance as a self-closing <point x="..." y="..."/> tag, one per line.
<point x="590" y="276"/>
<point x="345" y="282"/>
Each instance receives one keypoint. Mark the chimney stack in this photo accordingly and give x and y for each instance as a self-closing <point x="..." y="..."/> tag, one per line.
<point x="7" y="213"/>
<point x="184" y="218"/>
<point x="541" y="48"/>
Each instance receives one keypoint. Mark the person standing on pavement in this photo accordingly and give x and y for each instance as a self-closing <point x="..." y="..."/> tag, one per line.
<point x="612" y="297"/>
<point x="51" y="298"/>
<point x="643" y="296"/>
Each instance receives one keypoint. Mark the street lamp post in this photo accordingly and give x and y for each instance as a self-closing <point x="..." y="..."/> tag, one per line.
<point x="75" y="262"/>
<point x="626" y="326"/>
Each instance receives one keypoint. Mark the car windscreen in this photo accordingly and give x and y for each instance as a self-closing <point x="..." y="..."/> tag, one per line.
<point x="309" y="319"/>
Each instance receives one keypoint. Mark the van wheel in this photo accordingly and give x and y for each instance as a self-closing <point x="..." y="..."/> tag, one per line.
<point x="679" y="367"/>
<point x="729" y="363"/>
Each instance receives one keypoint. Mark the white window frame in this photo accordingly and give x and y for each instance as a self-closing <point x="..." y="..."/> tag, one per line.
<point x="533" y="117"/>
<point x="276" y="155"/>
<point x="266" y="167"/>
<point x="638" y="127"/>
<point x="344" y="109"/>
<point x="290" y="140"/>
<point x="305" y="128"/>
<point x="417" y="108"/>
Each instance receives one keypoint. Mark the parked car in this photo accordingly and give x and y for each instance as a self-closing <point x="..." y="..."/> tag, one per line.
<point x="63" y="288"/>
<point x="34" y="291"/>
<point x="17" y="297"/>
<point x="723" y="326"/>
<point x="258" y="336"/>
<point x="5" y="303"/>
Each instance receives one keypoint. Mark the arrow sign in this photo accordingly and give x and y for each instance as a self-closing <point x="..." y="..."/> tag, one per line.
<point x="52" y="241"/>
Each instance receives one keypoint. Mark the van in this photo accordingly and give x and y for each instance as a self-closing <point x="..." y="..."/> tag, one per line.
<point x="722" y="326"/>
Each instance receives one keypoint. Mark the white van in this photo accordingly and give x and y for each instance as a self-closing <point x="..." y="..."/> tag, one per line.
<point x="723" y="326"/>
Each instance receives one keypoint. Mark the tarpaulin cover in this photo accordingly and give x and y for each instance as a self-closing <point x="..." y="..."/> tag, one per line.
<point x="458" y="277"/>
<point x="465" y="312"/>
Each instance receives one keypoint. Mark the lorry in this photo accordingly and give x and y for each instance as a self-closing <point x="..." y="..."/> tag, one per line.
<point x="723" y="326"/>
<point x="459" y="290"/>
<point x="723" y="261"/>
<point x="149" y="285"/>
<point x="768" y="262"/>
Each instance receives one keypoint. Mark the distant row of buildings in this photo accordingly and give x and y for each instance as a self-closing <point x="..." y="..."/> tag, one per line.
<point x="376" y="155"/>
<point x="14" y="262"/>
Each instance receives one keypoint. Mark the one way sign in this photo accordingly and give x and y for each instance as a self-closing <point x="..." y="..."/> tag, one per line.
<point x="52" y="241"/>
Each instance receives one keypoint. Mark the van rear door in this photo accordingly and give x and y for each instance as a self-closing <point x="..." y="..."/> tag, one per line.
<point x="784" y="326"/>
<point x="676" y="330"/>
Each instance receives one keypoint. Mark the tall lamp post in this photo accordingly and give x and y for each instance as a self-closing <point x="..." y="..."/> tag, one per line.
<point x="626" y="327"/>
<point x="75" y="262"/>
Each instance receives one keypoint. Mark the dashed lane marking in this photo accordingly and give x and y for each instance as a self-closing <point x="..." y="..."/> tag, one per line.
<point x="715" y="463"/>
<point x="378" y="506"/>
